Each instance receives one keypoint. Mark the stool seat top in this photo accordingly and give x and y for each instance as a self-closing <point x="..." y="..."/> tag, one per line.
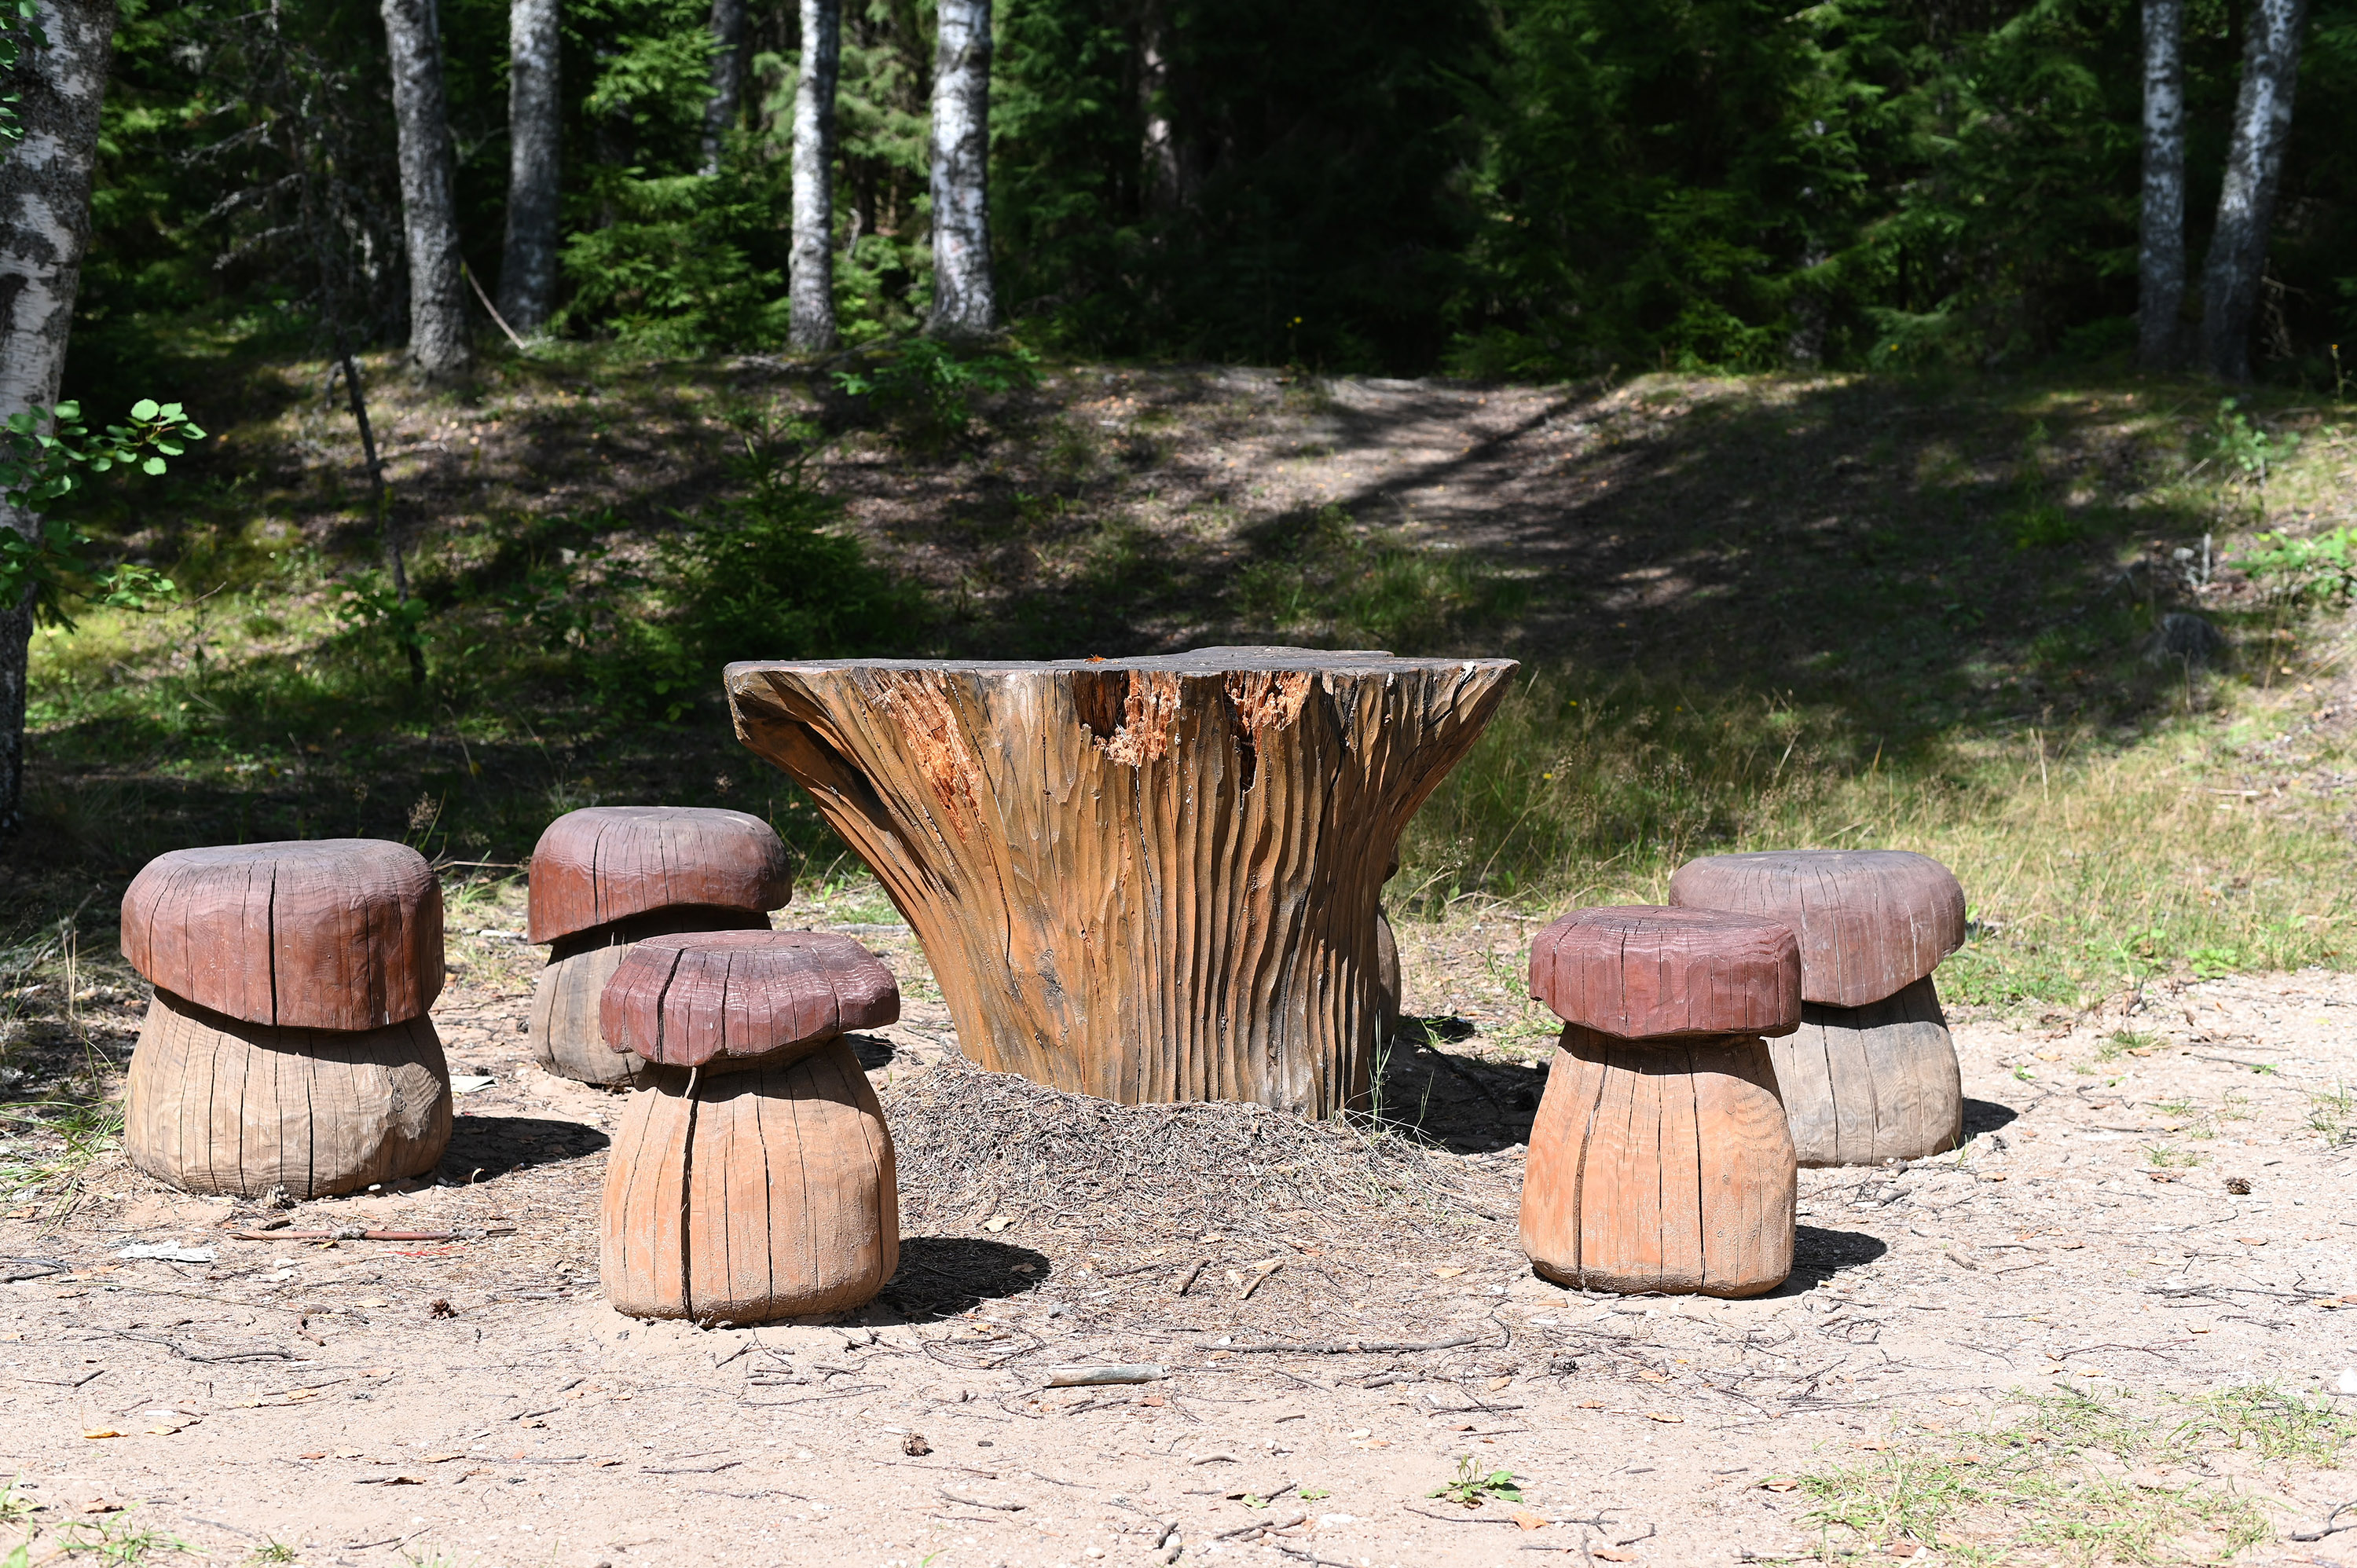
<point x="719" y="998"/>
<point x="603" y="863"/>
<point x="1642" y="972"/>
<point x="304" y="933"/>
<point x="1870" y="922"/>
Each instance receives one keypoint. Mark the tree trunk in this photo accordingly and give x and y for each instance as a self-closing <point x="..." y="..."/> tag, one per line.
<point x="535" y="154"/>
<point x="727" y="78"/>
<point x="44" y="226"/>
<point x="2160" y="254"/>
<point x="1165" y="186"/>
<point x="965" y="304"/>
<point x="438" y="344"/>
<point x="1143" y="879"/>
<point x="2246" y="203"/>
<point x="812" y="284"/>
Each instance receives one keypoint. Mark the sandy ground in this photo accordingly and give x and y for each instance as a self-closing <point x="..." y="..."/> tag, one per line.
<point x="477" y="1403"/>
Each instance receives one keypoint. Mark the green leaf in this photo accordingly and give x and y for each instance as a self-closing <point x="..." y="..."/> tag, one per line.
<point x="145" y="409"/>
<point x="153" y="466"/>
<point x="66" y="411"/>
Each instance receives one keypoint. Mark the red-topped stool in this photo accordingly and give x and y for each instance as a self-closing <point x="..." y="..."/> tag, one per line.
<point x="1660" y="1160"/>
<point x="287" y="1045"/>
<point x="752" y="1176"/>
<point x="605" y="877"/>
<point x="1871" y="1074"/>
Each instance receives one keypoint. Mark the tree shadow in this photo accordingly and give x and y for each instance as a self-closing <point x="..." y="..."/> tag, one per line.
<point x="1462" y="1102"/>
<point x="874" y="1051"/>
<point x="943" y="1275"/>
<point x="484" y="1146"/>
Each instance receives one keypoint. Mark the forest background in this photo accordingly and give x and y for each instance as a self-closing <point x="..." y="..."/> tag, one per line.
<point x="1775" y="401"/>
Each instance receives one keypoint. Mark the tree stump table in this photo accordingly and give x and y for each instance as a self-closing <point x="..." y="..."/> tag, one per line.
<point x="1872" y="1074"/>
<point x="1660" y="1160"/>
<point x="1142" y="879"/>
<point x="606" y="877"/>
<point x="752" y="1178"/>
<point x="287" y="1045"/>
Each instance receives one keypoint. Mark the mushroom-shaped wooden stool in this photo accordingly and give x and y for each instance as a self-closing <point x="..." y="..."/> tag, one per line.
<point x="752" y="1177"/>
<point x="606" y="877"/>
<point x="287" y="1045"/>
<point x="1660" y="1160"/>
<point x="1871" y="1076"/>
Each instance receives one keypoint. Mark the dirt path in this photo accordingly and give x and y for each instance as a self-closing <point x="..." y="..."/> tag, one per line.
<point x="477" y="1403"/>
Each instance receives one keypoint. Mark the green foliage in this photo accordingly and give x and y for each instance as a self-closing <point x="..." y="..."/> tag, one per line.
<point x="2322" y="567"/>
<point x="1472" y="1485"/>
<point x="766" y="573"/>
<point x="20" y="29"/>
<point x="44" y="454"/>
<point x="926" y="388"/>
<point x="689" y="263"/>
<point x="1326" y="579"/>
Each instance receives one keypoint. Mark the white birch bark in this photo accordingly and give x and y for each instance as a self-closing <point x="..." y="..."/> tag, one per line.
<point x="438" y="342"/>
<point x="727" y="78"/>
<point x="2246" y="202"/>
<point x="810" y="279"/>
<point x="44" y="183"/>
<point x="963" y="302"/>
<point x="2160" y="248"/>
<point x="536" y="156"/>
<point x="1160" y="150"/>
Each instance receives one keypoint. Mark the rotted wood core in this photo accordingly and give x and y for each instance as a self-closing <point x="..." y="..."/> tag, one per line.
<point x="304" y="934"/>
<point x="1862" y="1085"/>
<point x="1142" y="879"/>
<point x="1870" y="921"/>
<point x="217" y="1105"/>
<point x="752" y="1195"/>
<point x="1663" y="1166"/>
<point x="604" y="864"/>
<point x="564" y="1029"/>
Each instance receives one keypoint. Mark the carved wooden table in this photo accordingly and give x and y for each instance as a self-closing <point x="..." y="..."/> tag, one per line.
<point x="1142" y="879"/>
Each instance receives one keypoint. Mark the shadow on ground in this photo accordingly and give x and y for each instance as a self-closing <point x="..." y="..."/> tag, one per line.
<point x="941" y="1275"/>
<point x="484" y="1146"/>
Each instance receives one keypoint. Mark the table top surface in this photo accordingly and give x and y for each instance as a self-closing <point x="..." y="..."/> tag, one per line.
<point x="1195" y="661"/>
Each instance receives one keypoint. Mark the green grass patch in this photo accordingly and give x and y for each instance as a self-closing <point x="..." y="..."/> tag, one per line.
<point x="2085" y="1479"/>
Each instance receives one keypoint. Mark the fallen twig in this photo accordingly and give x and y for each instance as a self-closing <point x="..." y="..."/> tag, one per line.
<point x="1192" y="1275"/>
<point x="979" y="1503"/>
<point x="1086" y="1377"/>
<point x="354" y="1233"/>
<point x="2329" y="1527"/>
<point x="1260" y="1524"/>
<point x="1260" y="1271"/>
<point x="1353" y="1347"/>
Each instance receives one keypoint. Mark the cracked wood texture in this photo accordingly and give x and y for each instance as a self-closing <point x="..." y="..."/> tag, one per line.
<point x="1642" y="972"/>
<point x="564" y="1030"/>
<point x="1660" y="1167"/>
<point x="604" y="864"/>
<point x="1862" y="1085"/>
<point x="719" y="999"/>
<point x="308" y="934"/>
<point x="751" y="1195"/>
<point x="1870" y="922"/>
<point x="215" y="1104"/>
<point x="1142" y="879"/>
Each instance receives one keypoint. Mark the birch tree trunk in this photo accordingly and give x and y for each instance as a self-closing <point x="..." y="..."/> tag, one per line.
<point x="811" y="284"/>
<point x="535" y="154"/>
<point x="727" y="78"/>
<point x="965" y="304"/>
<point x="1164" y="191"/>
<point x="44" y="228"/>
<point x="2246" y="203"/>
<point x="2160" y="252"/>
<point x="438" y="343"/>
